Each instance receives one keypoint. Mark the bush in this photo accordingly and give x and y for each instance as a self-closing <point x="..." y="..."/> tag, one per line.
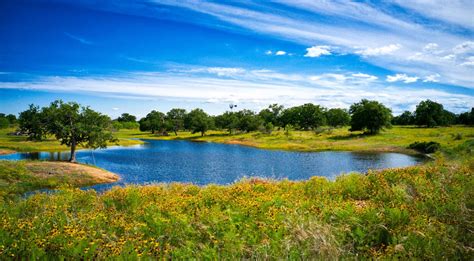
<point x="425" y="147"/>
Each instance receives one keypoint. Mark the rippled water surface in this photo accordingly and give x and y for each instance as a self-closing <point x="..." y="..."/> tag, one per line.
<point x="205" y="163"/>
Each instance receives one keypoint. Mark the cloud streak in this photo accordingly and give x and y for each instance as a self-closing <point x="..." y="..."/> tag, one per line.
<point x="79" y="39"/>
<point x="254" y="87"/>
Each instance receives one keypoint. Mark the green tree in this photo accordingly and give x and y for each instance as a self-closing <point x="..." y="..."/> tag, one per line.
<point x="154" y="121"/>
<point x="74" y="126"/>
<point x="248" y="120"/>
<point x="406" y="118"/>
<point x="126" y="117"/>
<point x="228" y="120"/>
<point x="369" y="116"/>
<point x="271" y="114"/>
<point x="198" y="121"/>
<point x="4" y="123"/>
<point x="32" y="123"/>
<point x="175" y="118"/>
<point x="338" y="117"/>
<point x="430" y="114"/>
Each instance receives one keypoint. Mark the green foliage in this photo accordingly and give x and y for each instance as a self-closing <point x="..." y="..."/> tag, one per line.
<point x="421" y="212"/>
<point x="126" y="117"/>
<point x="4" y="123"/>
<point x="307" y="116"/>
<point x="228" y="120"/>
<point x="175" y="118"/>
<point x="198" y="121"/>
<point x="425" y="147"/>
<point x="430" y="114"/>
<point x="338" y="117"/>
<point x="32" y="123"/>
<point x="74" y="126"/>
<point x="406" y="118"/>
<point x="154" y="121"/>
<point x="369" y="116"/>
<point x="248" y="121"/>
<point x="272" y="114"/>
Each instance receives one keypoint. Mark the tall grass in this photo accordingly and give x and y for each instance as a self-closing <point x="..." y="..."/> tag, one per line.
<point x="420" y="212"/>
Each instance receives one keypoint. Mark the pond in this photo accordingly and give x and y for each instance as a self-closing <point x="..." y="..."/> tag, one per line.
<point x="203" y="163"/>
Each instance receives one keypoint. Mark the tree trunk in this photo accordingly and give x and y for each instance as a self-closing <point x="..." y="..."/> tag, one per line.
<point x="73" y="152"/>
<point x="202" y="133"/>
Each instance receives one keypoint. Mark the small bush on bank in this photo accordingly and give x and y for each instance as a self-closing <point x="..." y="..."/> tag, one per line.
<point x="425" y="147"/>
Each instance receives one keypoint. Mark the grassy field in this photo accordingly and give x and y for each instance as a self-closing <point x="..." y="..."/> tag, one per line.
<point x="10" y="143"/>
<point x="395" y="139"/>
<point x="421" y="212"/>
<point x="17" y="177"/>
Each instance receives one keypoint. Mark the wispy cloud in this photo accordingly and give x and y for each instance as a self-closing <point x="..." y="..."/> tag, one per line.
<point x="79" y="39"/>
<point x="255" y="87"/>
<point x="382" y="38"/>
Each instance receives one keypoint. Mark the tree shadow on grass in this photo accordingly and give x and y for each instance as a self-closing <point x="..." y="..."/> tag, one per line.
<point x="350" y="136"/>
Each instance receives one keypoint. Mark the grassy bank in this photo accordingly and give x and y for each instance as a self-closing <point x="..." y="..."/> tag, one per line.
<point x="418" y="212"/>
<point x="422" y="212"/>
<point x="10" y="143"/>
<point x="17" y="177"/>
<point x="395" y="139"/>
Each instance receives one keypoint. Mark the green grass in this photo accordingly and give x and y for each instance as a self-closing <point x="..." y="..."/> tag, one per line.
<point x="395" y="139"/>
<point x="18" y="177"/>
<point x="420" y="212"/>
<point x="21" y="144"/>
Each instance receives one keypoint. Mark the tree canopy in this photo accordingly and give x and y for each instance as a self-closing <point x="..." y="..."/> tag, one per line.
<point x="338" y="117"/>
<point x="198" y="121"/>
<point x="430" y="114"/>
<point x="369" y="116"/>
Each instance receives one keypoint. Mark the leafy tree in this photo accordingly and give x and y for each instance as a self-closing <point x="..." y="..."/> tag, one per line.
<point x="32" y="123"/>
<point x="228" y="120"/>
<point x="466" y="118"/>
<point x="338" y="117"/>
<point x="74" y="126"/>
<point x="406" y="118"/>
<point x="369" y="116"/>
<point x="290" y="116"/>
<point x="11" y="119"/>
<point x="4" y="123"/>
<point x="154" y="121"/>
<point x="248" y="120"/>
<point x="311" y="116"/>
<point x="272" y="114"/>
<point x="430" y="114"/>
<point x="125" y="117"/>
<point x="198" y="121"/>
<point x="175" y="118"/>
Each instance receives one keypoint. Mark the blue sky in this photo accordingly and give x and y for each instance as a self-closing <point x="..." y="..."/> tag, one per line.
<point x="135" y="56"/>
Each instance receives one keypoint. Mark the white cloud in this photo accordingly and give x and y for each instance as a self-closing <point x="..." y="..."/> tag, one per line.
<point x="432" y="78"/>
<point x="464" y="47"/>
<point x="115" y="109"/>
<point x="79" y="39"/>
<point x="280" y="53"/>
<point x="219" y="71"/>
<point x="401" y="77"/>
<point x="255" y="87"/>
<point x="318" y="50"/>
<point x="365" y="76"/>
<point x="431" y="47"/>
<point x="383" y="50"/>
<point x="268" y="52"/>
<point x="469" y="61"/>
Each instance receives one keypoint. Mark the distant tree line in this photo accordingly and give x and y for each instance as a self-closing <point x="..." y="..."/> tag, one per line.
<point x="75" y="125"/>
<point x="7" y="120"/>
<point x="431" y="114"/>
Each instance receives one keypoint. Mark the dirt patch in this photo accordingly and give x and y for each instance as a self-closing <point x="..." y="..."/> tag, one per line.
<point x="78" y="172"/>
<point x="242" y="142"/>
<point x="5" y="151"/>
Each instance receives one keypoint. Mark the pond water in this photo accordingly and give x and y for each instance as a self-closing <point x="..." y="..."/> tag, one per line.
<point x="204" y="163"/>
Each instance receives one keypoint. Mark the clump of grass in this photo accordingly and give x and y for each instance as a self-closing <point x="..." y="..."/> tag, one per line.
<point x="425" y="147"/>
<point x="421" y="212"/>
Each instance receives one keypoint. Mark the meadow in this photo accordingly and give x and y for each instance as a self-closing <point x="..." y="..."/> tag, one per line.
<point x="421" y="212"/>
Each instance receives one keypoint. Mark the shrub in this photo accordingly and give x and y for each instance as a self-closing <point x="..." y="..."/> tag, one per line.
<point x="425" y="147"/>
